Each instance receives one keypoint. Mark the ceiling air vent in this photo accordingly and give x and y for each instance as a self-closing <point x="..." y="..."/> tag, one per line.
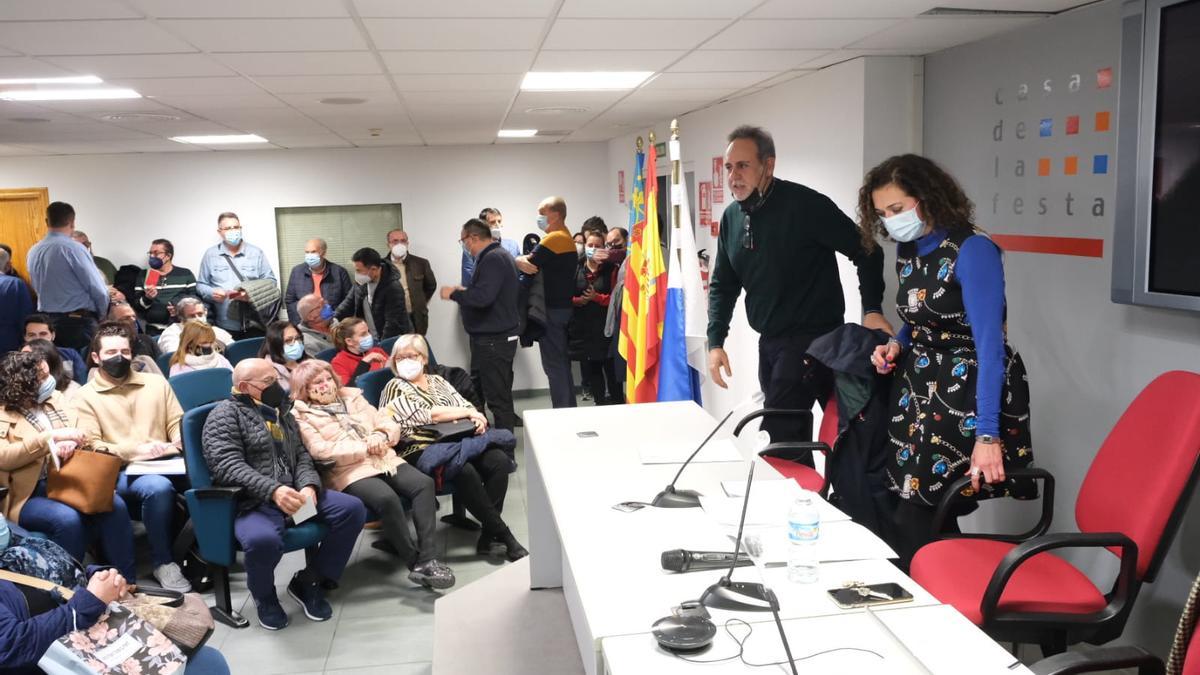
<point x="553" y="132"/>
<point x="556" y="110"/>
<point x="140" y="117"/>
<point x="999" y="13"/>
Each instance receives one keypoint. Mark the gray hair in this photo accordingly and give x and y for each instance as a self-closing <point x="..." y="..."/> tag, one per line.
<point x="414" y="340"/>
<point x="186" y="302"/>
<point x="762" y="140"/>
<point x="307" y="303"/>
<point x="112" y="309"/>
<point x="5" y="258"/>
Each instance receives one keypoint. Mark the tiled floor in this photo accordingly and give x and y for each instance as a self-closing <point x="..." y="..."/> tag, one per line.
<point x="382" y="623"/>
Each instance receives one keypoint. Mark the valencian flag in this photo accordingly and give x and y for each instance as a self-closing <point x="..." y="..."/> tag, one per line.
<point x="642" y="303"/>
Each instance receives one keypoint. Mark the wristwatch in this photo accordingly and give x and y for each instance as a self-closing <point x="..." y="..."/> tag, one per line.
<point x="987" y="439"/>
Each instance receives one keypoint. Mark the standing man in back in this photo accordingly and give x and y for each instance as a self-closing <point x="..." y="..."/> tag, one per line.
<point x="778" y="241"/>
<point x="416" y="278"/>
<point x="69" y="287"/>
<point x="223" y="268"/>
<point x="15" y="305"/>
<point x="555" y="258"/>
<point x="493" y="218"/>
<point x="318" y="276"/>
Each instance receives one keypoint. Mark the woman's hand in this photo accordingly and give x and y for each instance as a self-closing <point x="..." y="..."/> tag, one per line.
<point x="480" y="421"/>
<point x="377" y="444"/>
<point x="884" y="357"/>
<point x="64" y="450"/>
<point x="987" y="459"/>
<point x="67" y="434"/>
<point x="107" y="585"/>
<point x="374" y="357"/>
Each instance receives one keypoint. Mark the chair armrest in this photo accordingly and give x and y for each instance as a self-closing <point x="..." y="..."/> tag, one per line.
<point x="1099" y="661"/>
<point x="805" y="415"/>
<point x="1117" y="598"/>
<point x="793" y="450"/>
<point x="215" y="492"/>
<point x="955" y="492"/>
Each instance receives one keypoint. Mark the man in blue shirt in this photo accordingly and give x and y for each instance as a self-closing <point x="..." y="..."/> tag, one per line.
<point x="219" y="277"/>
<point x="38" y="327"/>
<point x="69" y="287"/>
<point x="493" y="218"/>
<point x="15" y="305"/>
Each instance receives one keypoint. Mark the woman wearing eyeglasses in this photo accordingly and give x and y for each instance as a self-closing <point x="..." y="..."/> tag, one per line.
<point x="284" y="348"/>
<point x="198" y="350"/>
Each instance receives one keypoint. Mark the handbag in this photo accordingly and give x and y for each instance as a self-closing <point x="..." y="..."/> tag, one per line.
<point x="86" y="482"/>
<point x="445" y="432"/>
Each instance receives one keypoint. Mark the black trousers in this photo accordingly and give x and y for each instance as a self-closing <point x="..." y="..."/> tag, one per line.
<point x="481" y="487"/>
<point x="791" y="380"/>
<point x="382" y="495"/>
<point x="603" y="381"/>
<point x="912" y="527"/>
<point x="492" y="356"/>
<point x="75" y="330"/>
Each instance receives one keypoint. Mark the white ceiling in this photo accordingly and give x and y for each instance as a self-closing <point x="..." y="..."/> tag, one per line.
<point x="429" y="73"/>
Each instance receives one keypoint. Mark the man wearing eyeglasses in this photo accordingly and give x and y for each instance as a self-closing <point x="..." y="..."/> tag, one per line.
<point x="777" y="241"/>
<point x="226" y="266"/>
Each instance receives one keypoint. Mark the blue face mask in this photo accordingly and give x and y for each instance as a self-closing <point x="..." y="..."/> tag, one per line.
<point x="293" y="351"/>
<point x="155" y="263"/>
<point x="46" y="388"/>
<point x="589" y="251"/>
<point x="233" y="237"/>
<point x="326" y="313"/>
<point x="543" y="223"/>
<point x="905" y="226"/>
<point x="366" y="343"/>
<point x="312" y="260"/>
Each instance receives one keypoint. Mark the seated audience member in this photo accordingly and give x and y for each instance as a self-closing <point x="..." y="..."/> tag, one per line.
<point x="27" y="633"/>
<point x="46" y="350"/>
<point x="198" y="350"/>
<point x="479" y="465"/>
<point x="16" y="303"/>
<point x="158" y="302"/>
<point x="355" y="441"/>
<point x="188" y="310"/>
<point x="378" y="298"/>
<point x="251" y="441"/>
<point x="38" y="327"/>
<point x="284" y="348"/>
<point x="357" y="353"/>
<point x="136" y="416"/>
<point x="35" y="421"/>
<point x="316" y="276"/>
<point x="143" y="345"/>
<point x="316" y="324"/>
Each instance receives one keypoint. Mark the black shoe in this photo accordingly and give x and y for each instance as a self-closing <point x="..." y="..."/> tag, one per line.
<point x="462" y="522"/>
<point x="310" y="597"/>
<point x="517" y="421"/>
<point x="270" y="613"/>
<point x="486" y="544"/>
<point x="514" y="550"/>
<point x="432" y="574"/>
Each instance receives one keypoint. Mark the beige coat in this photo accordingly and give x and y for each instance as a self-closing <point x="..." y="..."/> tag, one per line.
<point x="123" y="416"/>
<point x="330" y="439"/>
<point x="23" y="451"/>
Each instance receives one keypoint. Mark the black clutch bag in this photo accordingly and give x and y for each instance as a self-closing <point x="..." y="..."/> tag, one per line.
<point x="444" y="432"/>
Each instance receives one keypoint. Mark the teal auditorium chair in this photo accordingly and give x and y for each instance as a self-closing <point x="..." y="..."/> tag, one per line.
<point x="243" y="349"/>
<point x="213" y="510"/>
<point x="387" y="343"/>
<point x="372" y="384"/>
<point x="327" y="355"/>
<point x="164" y="363"/>
<point x="195" y="388"/>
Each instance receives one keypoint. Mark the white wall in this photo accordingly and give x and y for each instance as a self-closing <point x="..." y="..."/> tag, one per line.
<point x="124" y="201"/>
<point x="820" y="126"/>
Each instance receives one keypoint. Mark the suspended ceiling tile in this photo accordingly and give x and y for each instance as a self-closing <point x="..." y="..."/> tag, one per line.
<point x="930" y="34"/>
<point x="221" y="9"/>
<point x="444" y="62"/>
<point x="797" y="33"/>
<point x="457" y="8"/>
<point x="268" y="35"/>
<point x="658" y="9"/>
<point x="66" y="38"/>
<point x="300" y="63"/>
<point x="454" y="34"/>
<point x="605" y="59"/>
<point x="745" y="59"/>
<point x="617" y="34"/>
<point x="111" y="67"/>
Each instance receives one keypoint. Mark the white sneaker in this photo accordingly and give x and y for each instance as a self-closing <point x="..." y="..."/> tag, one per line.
<point x="170" y="577"/>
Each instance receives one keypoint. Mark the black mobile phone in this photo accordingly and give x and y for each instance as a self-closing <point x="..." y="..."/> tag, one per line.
<point x="628" y="507"/>
<point x="587" y="434"/>
<point x="869" y="595"/>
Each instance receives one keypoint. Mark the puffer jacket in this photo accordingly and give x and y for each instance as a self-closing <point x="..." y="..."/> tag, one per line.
<point x="240" y="451"/>
<point x="342" y="450"/>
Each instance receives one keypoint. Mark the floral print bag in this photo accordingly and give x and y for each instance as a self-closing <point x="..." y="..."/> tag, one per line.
<point x="121" y="643"/>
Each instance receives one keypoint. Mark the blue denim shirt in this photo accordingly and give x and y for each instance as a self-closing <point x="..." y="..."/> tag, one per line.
<point x="468" y="261"/>
<point x="215" y="273"/>
<point x="65" y="277"/>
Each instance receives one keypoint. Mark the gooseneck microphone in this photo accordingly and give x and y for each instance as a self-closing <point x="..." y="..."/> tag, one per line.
<point x="681" y="560"/>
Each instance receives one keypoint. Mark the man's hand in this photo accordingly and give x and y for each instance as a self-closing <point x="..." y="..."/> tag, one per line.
<point x="153" y="449"/>
<point x="447" y="291"/>
<point x="309" y="493"/>
<point x="718" y="360"/>
<point x="218" y="294"/>
<point x="151" y="292"/>
<point x="525" y="266"/>
<point x="877" y="321"/>
<point x="287" y="499"/>
<point x="115" y="295"/>
<point x="601" y="255"/>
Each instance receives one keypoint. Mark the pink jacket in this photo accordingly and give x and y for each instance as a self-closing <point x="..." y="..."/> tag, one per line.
<point x="330" y="438"/>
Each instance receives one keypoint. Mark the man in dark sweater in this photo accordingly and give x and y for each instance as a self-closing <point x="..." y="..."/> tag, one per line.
<point x="777" y="242"/>
<point x="489" y="313"/>
<point x="556" y="260"/>
<point x="252" y="442"/>
<point x="156" y="302"/>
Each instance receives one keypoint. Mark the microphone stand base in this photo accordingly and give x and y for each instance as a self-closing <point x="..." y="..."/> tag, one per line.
<point x="738" y="596"/>
<point x="671" y="498"/>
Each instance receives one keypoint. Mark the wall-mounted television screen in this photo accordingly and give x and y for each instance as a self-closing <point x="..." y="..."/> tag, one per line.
<point x="1156" y="259"/>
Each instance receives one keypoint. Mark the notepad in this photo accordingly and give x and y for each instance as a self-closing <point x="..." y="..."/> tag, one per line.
<point x="172" y="466"/>
<point x="677" y="453"/>
<point x="305" y="512"/>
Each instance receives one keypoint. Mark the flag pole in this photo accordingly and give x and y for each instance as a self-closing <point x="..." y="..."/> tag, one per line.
<point x="676" y="178"/>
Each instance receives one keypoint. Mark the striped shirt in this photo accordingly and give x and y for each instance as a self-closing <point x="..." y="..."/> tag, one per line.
<point x="410" y="405"/>
<point x="172" y="287"/>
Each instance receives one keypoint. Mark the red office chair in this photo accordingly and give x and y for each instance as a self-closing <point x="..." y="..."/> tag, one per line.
<point x="787" y="457"/>
<point x="1131" y="503"/>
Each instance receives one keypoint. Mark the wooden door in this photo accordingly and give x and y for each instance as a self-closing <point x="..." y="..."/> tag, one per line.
<point x="23" y="222"/>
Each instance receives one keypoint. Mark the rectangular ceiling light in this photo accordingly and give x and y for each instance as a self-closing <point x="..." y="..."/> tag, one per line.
<point x="516" y="133"/>
<point x="584" y="81"/>
<point x="74" y="79"/>
<point x="67" y="94"/>
<point x="228" y="139"/>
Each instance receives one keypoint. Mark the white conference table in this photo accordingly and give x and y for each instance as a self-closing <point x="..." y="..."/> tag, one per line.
<point x="607" y="561"/>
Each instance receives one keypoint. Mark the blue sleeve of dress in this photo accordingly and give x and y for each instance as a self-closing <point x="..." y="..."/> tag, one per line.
<point x="904" y="335"/>
<point x="981" y="274"/>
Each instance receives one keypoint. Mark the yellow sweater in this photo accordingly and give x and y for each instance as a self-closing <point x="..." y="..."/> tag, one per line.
<point x="123" y="416"/>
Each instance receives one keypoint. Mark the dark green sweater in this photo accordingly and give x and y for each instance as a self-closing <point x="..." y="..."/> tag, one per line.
<point x="791" y="275"/>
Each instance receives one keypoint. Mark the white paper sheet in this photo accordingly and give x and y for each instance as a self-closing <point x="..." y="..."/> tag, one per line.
<point x="770" y="501"/>
<point x="173" y="466"/>
<point x="305" y="512"/>
<point x="676" y="453"/>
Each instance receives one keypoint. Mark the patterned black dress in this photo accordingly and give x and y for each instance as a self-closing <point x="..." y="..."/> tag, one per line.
<point x="932" y="428"/>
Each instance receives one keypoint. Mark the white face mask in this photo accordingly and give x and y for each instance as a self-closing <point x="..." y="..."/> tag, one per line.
<point x="399" y="251"/>
<point x="543" y="223"/>
<point x="496" y="233"/>
<point x="199" y="318"/>
<point x="409" y="369"/>
<point x="905" y="226"/>
<point x="201" y="360"/>
<point x="361" y="278"/>
<point x="579" y="250"/>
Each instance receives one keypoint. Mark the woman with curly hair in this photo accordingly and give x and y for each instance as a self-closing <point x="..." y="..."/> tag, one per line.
<point x="35" y="422"/>
<point x="960" y="398"/>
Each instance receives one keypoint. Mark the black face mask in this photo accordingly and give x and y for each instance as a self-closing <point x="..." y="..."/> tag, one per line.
<point x="116" y="367"/>
<point x="755" y="200"/>
<point x="273" y="395"/>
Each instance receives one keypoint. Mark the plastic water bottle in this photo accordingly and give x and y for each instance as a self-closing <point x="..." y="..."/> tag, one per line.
<point x="803" y="529"/>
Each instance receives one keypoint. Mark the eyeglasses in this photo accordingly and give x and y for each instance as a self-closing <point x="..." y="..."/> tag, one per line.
<point x="747" y="235"/>
<point x="614" y="246"/>
<point x="228" y="228"/>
